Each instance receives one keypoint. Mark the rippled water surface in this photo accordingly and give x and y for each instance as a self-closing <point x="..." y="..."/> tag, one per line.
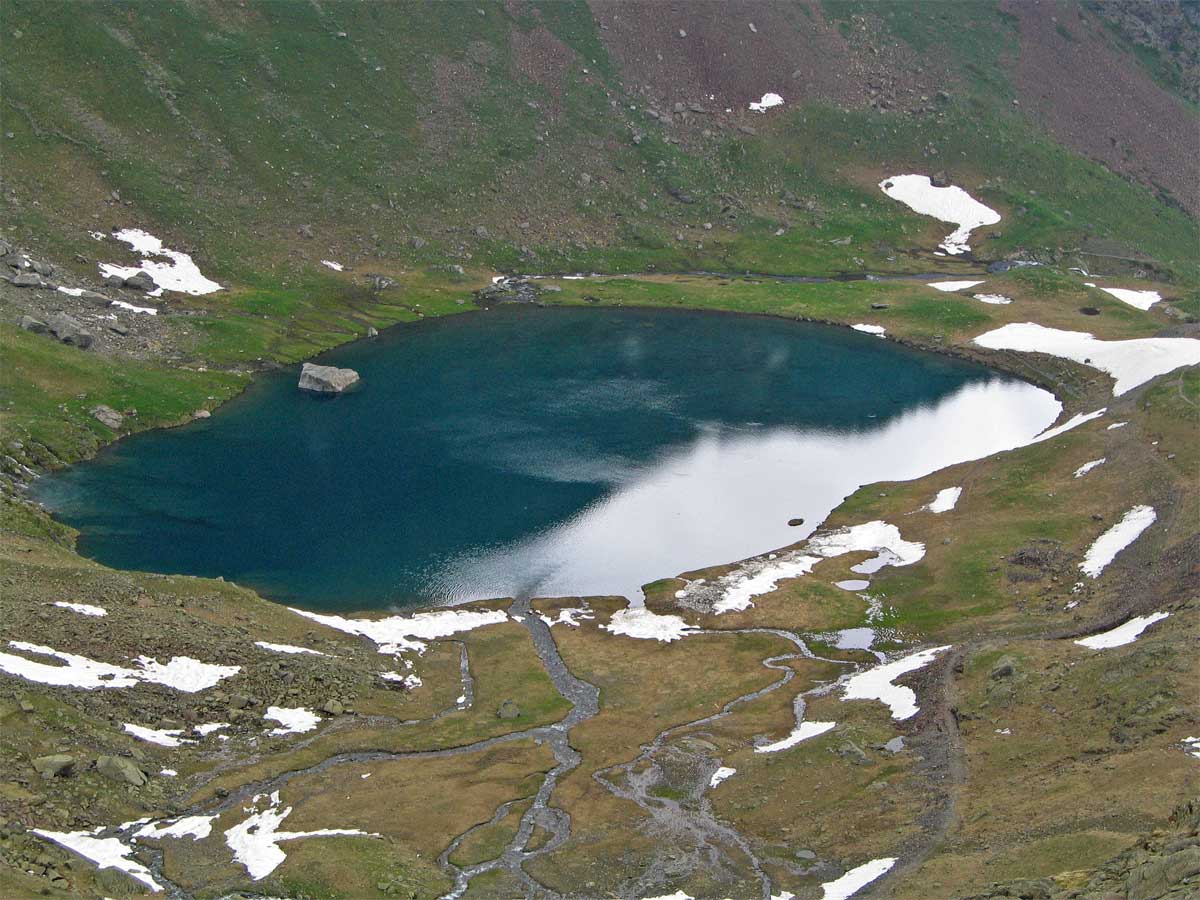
<point x="543" y="451"/>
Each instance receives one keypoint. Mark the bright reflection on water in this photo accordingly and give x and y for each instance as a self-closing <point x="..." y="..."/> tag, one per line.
<point x="555" y="452"/>
<point x="730" y="494"/>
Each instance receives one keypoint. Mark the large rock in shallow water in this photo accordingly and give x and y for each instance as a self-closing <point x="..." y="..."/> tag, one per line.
<point x="326" y="379"/>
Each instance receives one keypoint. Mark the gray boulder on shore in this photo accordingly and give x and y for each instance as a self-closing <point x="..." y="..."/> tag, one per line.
<point x="108" y="416"/>
<point x="326" y="379"/>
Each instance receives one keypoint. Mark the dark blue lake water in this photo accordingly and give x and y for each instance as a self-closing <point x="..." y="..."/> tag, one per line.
<point x="548" y="451"/>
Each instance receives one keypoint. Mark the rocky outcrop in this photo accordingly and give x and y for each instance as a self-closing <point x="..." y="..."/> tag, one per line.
<point x="107" y="416"/>
<point x="141" y="281"/>
<point x="121" y="768"/>
<point x="58" y="764"/>
<point x="326" y="379"/>
<point x="70" y="331"/>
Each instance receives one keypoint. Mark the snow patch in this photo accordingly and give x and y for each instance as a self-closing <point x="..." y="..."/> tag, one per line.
<point x="286" y="648"/>
<point x="291" y="720"/>
<point x="949" y="204"/>
<point x="182" y="673"/>
<point x="1192" y="746"/>
<point x="209" y="728"/>
<point x="1115" y="425"/>
<point x="950" y="286"/>
<point x="880" y="537"/>
<point x="1129" y="362"/>
<point x="946" y="500"/>
<point x="1088" y="466"/>
<point x="129" y="307"/>
<point x="70" y="292"/>
<point x="761" y="575"/>
<point x="1073" y="422"/>
<point x="105" y="853"/>
<point x="994" y="299"/>
<point x="165" y="737"/>
<point x="768" y="101"/>
<point x="801" y="732"/>
<point x="411" y="682"/>
<point x="646" y="625"/>
<point x="179" y="274"/>
<point x="255" y="841"/>
<point x="398" y="633"/>
<point x="1122" y="634"/>
<point x="195" y="827"/>
<point x="1138" y="299"/>
<point x="720" y="775"/>
<point x="857" y="878"/>
<point x="573" y="616"/>
<point x="330" y="264"/>
<point x="85" y="609"/>
<point x="877" y="683"/>
<point x="1116" y="539"/>
<point x="877" y="330"/>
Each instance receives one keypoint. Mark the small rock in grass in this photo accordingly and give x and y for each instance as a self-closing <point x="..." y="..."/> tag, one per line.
<point x="333" y="707"/>
<point x="37" y="326"/>
<point x="27" y="279"/>
<point x="508" y="710"/>
<point x="1005" y="667"/>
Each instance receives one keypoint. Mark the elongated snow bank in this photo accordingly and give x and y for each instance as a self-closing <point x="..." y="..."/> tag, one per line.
<point x="1130" y="362"/>
<point x="84" y="609"/>
<point x="800" y="733"/>
<point x="1137" y="299"/>
<point x="720" y="775"/>
<point x="1073" y="422"/>
<point x="290" y="649"/>
<point x="1123" y="634"/>
<point x="105" y="853"/>
<point x="182" y="673"/>
<point x="1116" y="539"/>
<point x="856" y="879"/>
<point x="876" y="683"/>
<point x="395" y="634"/>
<point x="1088" y="466"/>
<point x="761" y="575"/>
<point x="164" y="737"/>
<point x="180" y="273"/>
<point x="950" y="286"/>
<point x="950" y="204"/>
<point x="877" y="330"/>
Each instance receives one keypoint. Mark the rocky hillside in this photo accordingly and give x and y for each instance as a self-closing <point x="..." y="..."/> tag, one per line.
<point x="262" y="136"/>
